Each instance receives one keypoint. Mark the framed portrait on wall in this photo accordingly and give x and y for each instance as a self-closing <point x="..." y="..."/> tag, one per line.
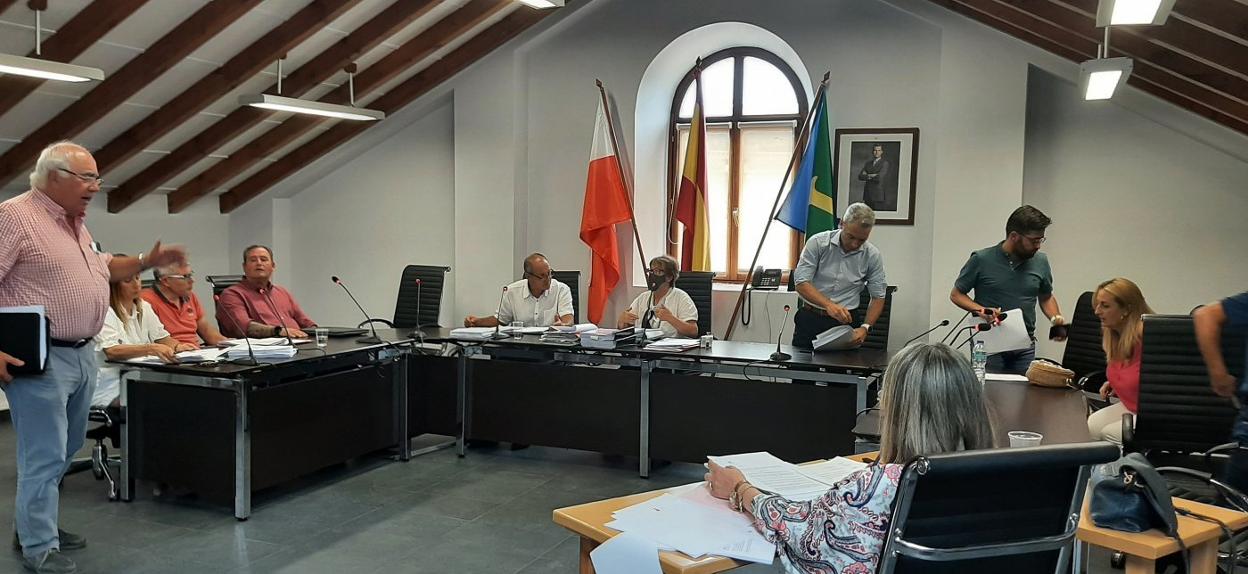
<point x="878" y="166"/>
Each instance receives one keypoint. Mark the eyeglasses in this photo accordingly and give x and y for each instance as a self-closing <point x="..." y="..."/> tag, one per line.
<point x="1035" y="240"/>
<point x="187" y="276"/>
<point x="84" y="177"/>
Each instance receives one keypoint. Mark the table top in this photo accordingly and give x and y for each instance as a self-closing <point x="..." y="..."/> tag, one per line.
<point x="1060" y="415"/>
<point x="1154" y="544"/>
<point x="589" y="521"/>
<point x="304" y="352"/>
<point x="858" y="360"/>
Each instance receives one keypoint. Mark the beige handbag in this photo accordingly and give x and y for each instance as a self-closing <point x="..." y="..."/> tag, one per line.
<point x="1046" y="374"/>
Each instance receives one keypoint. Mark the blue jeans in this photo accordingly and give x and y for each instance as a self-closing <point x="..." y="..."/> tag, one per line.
<point x="1237" y="468"/>
<point x="50" y="416"/>
<point x="1012" y="362"/>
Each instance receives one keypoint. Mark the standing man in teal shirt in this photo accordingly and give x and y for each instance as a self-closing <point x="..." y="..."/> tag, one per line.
<point x="1012" y="274"/>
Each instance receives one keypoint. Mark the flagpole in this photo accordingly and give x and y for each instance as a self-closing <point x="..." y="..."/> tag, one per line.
<point x="798" y="149"/>
<point x="615" y="146"/>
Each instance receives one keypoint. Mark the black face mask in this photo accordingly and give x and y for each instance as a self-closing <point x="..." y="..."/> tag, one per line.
<point x="654" y="281"/>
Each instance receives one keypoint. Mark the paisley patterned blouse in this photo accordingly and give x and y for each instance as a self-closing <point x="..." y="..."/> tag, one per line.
<point x="841" y="532"/>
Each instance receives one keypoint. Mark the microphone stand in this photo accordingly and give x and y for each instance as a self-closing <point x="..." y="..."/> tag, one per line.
<point x="419" y="332"/>
<point x="780" y="355"/>
<point x="265" y="293"/>
<point x="366" y="340"/>
<point x="924" y="333"/>
<point x="250" y="361"/>
<point x="498" y="322"/>
<point x="955" y="327"/>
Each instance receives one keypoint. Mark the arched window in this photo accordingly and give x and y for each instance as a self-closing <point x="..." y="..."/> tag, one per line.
<point x="754" y="104"/>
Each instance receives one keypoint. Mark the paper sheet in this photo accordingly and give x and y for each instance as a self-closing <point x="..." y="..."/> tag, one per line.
<point x="831" y="472"/>
<point x="774" y="475"/>
<point x="626" y="553"/>
<point x="695" y="527"/>
<point x="1005" y="377"/>
<point x="196" y="356"/>
<point x="1009" y="335"/>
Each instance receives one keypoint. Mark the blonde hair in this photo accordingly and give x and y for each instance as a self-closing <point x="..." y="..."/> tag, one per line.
<point x="1120" y="344"/>
<point x="931" y="403"/>
<point x="115" y="301"/>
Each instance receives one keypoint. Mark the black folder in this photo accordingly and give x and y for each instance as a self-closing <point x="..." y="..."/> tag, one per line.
<point x="20" y="335"/>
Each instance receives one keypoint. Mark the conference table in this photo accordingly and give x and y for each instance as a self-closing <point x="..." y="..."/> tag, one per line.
<point x="645" y="402"/>
<point x="226" y="430"/>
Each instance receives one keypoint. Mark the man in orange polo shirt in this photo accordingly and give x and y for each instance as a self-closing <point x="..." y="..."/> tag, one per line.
<point x="176" y="305"/>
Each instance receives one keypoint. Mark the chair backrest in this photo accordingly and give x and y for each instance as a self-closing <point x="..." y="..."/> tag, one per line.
<point x="698" y="285"/>
<point x="1084" y="353"/>
<point x="573" y="280"/>
<point x="222" y="282"/>
<point x="877" y="338"/>
<point x="420" y="303"/>
<point x="998" y="510"/>
<point x="147" y="283"/>
<point x="1178" y="410"/>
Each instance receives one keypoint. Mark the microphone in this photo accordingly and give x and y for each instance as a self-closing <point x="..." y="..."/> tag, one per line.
<point x="955" y="326"/>
<point x="979" y="328"/>
<point x="498" y="322"/>
<point x="925" y="333"/>
<point x="251" y="355"/>
<point x="265" y="293"/>
<point x="418" y="332"/>
<point x="367" y="340"/>
<point x="780" y="355"/>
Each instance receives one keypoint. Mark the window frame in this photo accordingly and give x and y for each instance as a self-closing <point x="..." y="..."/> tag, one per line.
<point x="734" y="121"/>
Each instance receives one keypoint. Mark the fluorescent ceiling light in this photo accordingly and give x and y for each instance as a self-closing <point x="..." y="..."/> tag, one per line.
<point x="298" y="106"/>
<point x="1133" y="12"/>
<point x="47" y="69"/>
<point x="1100" y="78"/>
<point x="544" y="3"/>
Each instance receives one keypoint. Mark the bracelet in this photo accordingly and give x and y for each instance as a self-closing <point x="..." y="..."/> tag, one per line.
<point x="734" y="499"/>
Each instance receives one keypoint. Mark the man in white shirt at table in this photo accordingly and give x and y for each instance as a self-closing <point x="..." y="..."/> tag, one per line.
<point x="538" y="300"/>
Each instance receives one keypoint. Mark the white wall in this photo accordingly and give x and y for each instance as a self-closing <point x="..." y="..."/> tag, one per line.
<point x="1133" y="198"/>
<point x="339" y="230"/>
<point x="522" y="120"/>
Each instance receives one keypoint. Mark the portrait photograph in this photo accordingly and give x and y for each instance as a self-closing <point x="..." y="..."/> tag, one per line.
<point x="878" y="167"/>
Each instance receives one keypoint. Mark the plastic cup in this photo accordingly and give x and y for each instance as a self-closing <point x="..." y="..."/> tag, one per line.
<point x="1024" y="439"/>
<point x="517" y="324"/>
<point x="322" y="337"/>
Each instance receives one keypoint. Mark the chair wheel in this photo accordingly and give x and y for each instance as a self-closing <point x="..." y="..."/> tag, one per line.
<point x="1118" y="561"/>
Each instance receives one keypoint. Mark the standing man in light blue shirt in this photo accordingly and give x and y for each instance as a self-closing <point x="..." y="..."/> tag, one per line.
<point x="834" y="269"/>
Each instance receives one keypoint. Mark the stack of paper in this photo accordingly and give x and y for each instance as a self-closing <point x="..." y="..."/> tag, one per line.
<point x="196" y="356"/>
<point x="263" y="341"/>
<point x="791" y="481"/>
<point x="696" y="524"/>
<point x="578" y="328"/>
<point x="673" y="344"/>
<point x="261" y="352"/>
<point x="837" y="338"/>
<point x="472" y="333"/>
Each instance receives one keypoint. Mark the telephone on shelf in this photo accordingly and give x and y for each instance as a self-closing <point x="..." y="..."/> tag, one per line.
<point x="766" y="279"/>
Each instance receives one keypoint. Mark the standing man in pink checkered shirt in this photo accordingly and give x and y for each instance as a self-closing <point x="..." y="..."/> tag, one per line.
<point x="47" y="257"/>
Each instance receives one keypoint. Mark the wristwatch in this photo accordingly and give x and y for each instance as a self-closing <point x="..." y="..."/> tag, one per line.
<point x="142" y="263"/>
<point x="277" y="331"/>
<point x="867" y="326"/>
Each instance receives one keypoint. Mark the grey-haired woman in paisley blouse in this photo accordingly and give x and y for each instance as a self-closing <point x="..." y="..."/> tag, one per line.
<point x="931" y="404"/>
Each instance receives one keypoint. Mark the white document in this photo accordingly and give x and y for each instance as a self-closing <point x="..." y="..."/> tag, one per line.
<point x="674" y="343"/>
<point x="267" y="341"/>
<point x="1009" y="335"/>
<point x="838" y="338"/>
<point x="578" y="328"/>
<point x="695" y="527"/>
<point x="1005" y="377"/>
<point x="773" y="475"/>
<point x="831" y="472"/>
<point x="530" y="330"/>
<point x="262" y="351"/>
<point x="43" y="328"/>
<point x="196" y="356"/>
<point x="472" y="333"/>
<point x="626" y="553"/>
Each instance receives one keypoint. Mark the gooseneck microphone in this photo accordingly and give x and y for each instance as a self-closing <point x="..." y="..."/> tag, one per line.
<point x="265" y="293"/>
<point x="498" y="322"/>
<point x="373" y="340"/>
<point x="780" y="355"/>
<point x="250" y="361"/>
<point x="418" y="333"/>
<point x="955" y="327"/>
<point x="925" y="333"/>
<point x="979" y="328"/>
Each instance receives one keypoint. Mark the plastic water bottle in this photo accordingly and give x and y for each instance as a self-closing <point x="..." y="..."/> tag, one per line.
<point x="979" y="361"/>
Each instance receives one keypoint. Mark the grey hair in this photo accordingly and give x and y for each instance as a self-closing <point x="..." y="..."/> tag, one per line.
<point x="52" y="158"/>
<point x="533" y="259"/>
<point x="859" y="214"/>
<point x="931" y="403"/>
<point x="170" y="269"/>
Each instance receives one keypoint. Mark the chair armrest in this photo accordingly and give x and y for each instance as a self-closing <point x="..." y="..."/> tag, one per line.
<point x="1128" y="432"/>
<point x="1094" y="379"/>
<point x="382" y="321"/>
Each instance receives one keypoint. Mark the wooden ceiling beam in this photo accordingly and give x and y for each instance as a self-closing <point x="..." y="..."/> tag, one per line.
<point x="1146" y="77"/>
<point x="1185" y="36"/>
<point x="1228" y="16"/>
<point x="85" y="28"/>
<point x="330" y="61"/>
<point x="244" y="65"/>
<point x="6" y="4"/>
<point x="391" y="102"/>
<point x="201" y="26"/>
<point x="389" y="67"/>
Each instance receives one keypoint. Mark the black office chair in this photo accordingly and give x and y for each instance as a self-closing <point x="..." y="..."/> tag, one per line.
<point x="1178" y="413"/>
<point x="222" y="282"/>
<point x="878" y="337"/>
<point x="102" y="465"/>
<point x="147" y="283"/>
<point x="1000" y="510"/>
<point x="698" y="285"/>
<point x="573" y="280"/>
<point x="417" y="303"/>
<point x="1084" y="354"/>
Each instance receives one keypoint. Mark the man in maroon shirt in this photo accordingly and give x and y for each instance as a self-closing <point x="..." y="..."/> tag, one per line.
<point x="257" y="305"/>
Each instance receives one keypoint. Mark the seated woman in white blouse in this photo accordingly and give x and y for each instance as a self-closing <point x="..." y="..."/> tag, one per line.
<point x="131" y="329"/>
<point x="663" y="306"/>
<point x="931" y="403"/>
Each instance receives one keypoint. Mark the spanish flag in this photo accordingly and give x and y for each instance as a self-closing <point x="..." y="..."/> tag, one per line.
<point x="691" y="208"/>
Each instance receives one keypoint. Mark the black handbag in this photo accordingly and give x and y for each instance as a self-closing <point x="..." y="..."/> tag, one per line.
<point x="1129" y="495"/>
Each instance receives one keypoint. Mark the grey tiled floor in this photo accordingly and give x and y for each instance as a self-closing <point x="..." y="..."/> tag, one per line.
<point x="488" y="512"/>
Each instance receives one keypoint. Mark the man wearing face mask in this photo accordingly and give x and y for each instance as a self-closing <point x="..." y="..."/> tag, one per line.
<point x="538" y="300"/>
<point x="1012" y="274"/>
<point x="834" y="268"/>
<point x="663" y="306"/>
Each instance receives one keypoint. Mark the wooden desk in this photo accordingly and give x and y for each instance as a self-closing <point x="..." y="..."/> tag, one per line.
<point x="589" y="522"/>
<point x="1143" y="549"/>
